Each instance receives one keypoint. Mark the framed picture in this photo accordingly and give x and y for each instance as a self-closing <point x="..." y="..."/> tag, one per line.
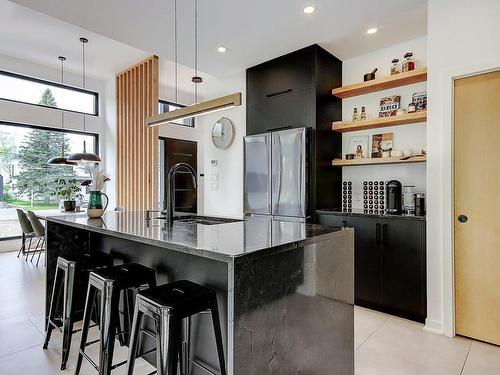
<point x="420" y="100"/>
<point x="359" y="146"/>
<point x="389" y="106"/>
<point x="381" y="143"/>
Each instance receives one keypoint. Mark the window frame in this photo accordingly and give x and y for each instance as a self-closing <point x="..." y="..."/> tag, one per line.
<point x="31" y="126"/>
<point x="54" y="84"/>
<point x="167" y="102"/>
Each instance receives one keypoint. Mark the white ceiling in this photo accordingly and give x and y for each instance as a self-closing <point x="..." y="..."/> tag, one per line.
<point x="252" y="30"/>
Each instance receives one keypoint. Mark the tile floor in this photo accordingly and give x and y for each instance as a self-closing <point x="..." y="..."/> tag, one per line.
<point x="384" y="345"/>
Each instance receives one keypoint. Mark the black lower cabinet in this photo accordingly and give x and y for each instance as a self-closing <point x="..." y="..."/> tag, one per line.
<point x="389" y="263"/>
<point x="367" y="259"/>
<point x="403" y="267"/>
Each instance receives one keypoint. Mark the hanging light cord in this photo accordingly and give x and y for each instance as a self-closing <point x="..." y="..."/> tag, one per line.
<point x="83" y="76"/>
<point x="175" y="53"/>
<point x="62" y="58"/>
<point x="196" y="49"/>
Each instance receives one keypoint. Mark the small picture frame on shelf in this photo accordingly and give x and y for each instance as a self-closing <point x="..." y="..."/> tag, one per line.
<point x="420" y="100"/>
<point x="382" y="145"/>
<point x="389" y="106"/>
<point x="358" y="146"/>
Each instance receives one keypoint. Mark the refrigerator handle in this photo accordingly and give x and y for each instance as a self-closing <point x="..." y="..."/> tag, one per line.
<point x="279" y="172"/>
<point x="269" y="141"/>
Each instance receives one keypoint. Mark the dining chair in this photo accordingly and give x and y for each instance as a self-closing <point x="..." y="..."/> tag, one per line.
<point x="39" y="231"/>
<point x="26" y="229"/>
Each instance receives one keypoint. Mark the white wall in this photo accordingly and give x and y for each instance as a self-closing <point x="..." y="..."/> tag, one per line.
<point x="227" y="199"/>
<point x="411" y="137"/>
<point x="463" y="37"/>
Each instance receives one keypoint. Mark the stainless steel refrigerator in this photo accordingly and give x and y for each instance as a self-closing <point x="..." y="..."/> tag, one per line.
<point x="276" y="174"/>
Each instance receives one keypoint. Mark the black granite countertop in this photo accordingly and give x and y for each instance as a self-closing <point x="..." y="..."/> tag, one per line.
<point x="361" y="214"/>
<point x="220" y="241"/>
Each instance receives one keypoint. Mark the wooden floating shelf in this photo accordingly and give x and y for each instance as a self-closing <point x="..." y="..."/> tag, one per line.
<point x="375" y="161"/>
<point x="382" y="122"/>
<point x="401" y="79"/>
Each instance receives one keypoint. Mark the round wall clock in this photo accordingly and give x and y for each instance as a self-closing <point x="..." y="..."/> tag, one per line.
<point x="223" y="133"/>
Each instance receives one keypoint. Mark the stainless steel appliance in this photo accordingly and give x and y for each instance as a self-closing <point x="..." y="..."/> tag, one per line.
<point x="276" y="174"/>
<point x="393" y="194"/>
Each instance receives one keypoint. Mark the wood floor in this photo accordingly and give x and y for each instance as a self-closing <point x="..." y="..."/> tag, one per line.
<point x="384" y="345"/>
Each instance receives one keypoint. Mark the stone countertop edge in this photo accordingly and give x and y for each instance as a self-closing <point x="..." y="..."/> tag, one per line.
<point x="378" y="216"/>
<point x="198" y="251"/>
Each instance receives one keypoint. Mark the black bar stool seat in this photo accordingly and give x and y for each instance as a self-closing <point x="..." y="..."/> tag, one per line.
<point x="72" y="272"/>
<point x="170" y="305"/>
<point x="110" y="283"/>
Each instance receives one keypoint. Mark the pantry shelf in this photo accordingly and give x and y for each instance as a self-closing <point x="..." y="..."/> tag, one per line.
<point x="401" y="79"/>
<point x="376" y="161"/>
<point x="406" y="119"/>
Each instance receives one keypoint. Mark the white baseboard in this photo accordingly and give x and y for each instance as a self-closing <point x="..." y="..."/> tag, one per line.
<point x="434" y="326"/>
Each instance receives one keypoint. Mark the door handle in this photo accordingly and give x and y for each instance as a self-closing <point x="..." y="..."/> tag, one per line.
<point x="384" y="233"/>
<point x="279" y="93"/>
<point x="462" y="218"/>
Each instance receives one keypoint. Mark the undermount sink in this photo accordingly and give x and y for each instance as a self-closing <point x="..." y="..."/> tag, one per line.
<point x="203" y="220"/>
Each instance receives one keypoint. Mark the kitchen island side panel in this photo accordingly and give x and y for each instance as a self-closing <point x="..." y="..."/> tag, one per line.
<point x="293" y="310"/>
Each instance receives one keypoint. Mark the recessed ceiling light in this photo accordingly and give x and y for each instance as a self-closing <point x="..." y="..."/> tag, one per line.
<point x="222" y="49"/>
<point x="309" y="9"/>
<point x="373" y="30"/>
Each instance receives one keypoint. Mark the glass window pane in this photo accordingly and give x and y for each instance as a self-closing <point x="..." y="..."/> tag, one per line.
<point x="164" y="107"/>
<point x="32" y="91"/>
<point x="26" y="180"/>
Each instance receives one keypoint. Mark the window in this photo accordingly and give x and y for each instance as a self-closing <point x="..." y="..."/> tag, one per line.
<point x="164" y="107"/>
<point x="26" y="180"/>
<point x="22" y="89"/>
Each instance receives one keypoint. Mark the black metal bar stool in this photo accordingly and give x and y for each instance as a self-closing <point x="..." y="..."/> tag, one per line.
<point x="171" y="305"/>
<point x="71" y="274"/>
<point x="110" y="283"/>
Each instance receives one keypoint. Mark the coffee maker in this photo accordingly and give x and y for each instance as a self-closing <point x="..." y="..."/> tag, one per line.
<point x="393" y="194"/>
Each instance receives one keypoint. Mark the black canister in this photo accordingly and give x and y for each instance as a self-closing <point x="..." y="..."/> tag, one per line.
<point x="420" y="204"/>
<point x="393" y="194"/>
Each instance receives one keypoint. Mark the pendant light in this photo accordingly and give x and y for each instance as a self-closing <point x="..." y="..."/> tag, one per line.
<point x="61" y="160"/>
<point x="197" y="109"/>
<point x="84" y="157"/>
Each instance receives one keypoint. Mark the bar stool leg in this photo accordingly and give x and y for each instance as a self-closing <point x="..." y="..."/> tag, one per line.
<point x="168" y="344"/>
<point x="134" y="346"/>
<point x="186" y="349"/>
<point x="109" y="306"/>
<point x="23" y="243"/>
<point x="218" y="335"/>
<point x="41" y="250"/>
<point x="69" y="279"/>
<point x="52" y="309"/>
<point x="85" y="327"/>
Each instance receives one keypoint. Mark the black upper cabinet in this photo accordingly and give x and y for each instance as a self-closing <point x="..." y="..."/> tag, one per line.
<point x="285" y="74"/>
<point x="294" y="109"/>
<point x="293" y="91"/>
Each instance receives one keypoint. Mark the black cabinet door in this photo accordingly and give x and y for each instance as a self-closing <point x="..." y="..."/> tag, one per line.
<point x="367" y="259"/>
<point x="334" y="220"/>
<point x="403" y="266"/>
<point x="290" y="110"/>
<point x="289" y="73"/>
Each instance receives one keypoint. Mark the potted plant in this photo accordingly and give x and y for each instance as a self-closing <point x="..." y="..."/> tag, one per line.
<point x="69" y="190"/>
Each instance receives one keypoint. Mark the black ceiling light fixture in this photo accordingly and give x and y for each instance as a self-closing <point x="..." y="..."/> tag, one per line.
<point x="61" y="160"/>
<point x="84" y="157"/>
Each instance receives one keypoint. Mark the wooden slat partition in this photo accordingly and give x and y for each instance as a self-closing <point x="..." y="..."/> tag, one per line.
<point x="137" y="146"/>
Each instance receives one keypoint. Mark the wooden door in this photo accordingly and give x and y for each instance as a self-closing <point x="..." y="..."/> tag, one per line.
<point x="180" y="151"/>
<point x="477" y="206"/>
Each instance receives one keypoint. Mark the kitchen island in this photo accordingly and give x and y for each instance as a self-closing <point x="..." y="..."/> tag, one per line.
<point x="285" y="289"/>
